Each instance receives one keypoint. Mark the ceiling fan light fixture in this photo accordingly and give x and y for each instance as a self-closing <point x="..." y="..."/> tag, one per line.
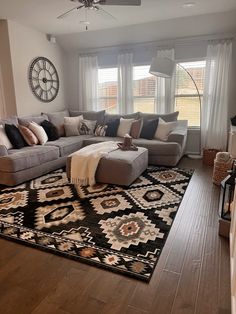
<point x="188" y="5"/>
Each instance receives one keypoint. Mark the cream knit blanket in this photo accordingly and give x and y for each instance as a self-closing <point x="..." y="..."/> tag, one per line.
<point x="84" y="162"/>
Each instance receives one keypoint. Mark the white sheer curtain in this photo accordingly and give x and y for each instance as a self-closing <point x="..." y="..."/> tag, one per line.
<point x="3" y="111"/>
<point x="125" y="83"/>
<point x="88" y="83"/>
<point x="215" y="96"/>
<point x="165" y="89"/>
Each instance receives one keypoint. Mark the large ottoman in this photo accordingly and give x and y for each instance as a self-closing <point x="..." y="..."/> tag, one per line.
<point x="120" y="167"/>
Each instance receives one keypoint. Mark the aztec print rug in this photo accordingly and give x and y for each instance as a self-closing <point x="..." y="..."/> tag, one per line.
<point x="123" y="229"/>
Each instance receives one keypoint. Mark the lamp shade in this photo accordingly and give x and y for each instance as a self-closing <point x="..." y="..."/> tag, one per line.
<point x="163" y="67"/>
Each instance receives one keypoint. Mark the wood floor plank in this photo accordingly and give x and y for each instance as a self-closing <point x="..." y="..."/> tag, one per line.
<point x="33" y="281"/>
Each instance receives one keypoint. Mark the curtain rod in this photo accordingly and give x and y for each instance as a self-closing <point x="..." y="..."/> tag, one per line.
<point x="159" y="44"/>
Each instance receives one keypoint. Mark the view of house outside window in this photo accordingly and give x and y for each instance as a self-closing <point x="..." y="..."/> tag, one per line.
<point x="186" y="96"/>
<point x="107" y="89"/>
<point x="144" y="89"/>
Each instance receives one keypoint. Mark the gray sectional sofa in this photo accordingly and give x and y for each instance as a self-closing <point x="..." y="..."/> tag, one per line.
<point x="20" y="165"/>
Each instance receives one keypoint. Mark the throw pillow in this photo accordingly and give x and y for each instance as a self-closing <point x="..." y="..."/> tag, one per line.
<point x="164" y="129"/>
<point x="72" y="125"/>
<point x="136" y="128"/>
<point x="51" y="130"/>
<point x="14" y="136"/>
<point x="149" y="129"/>
<point x="28" y="135"/>
<point x="38" y="132"/>
<point x="124" y="127"/>
<point x="4" y="140"/>
<point x="87" y="127"/>
<point x="100" y="130"/>
<point x="112" y="128"/>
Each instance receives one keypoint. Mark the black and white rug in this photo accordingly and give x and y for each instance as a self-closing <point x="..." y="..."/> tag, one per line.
<point x="121" y="229"/>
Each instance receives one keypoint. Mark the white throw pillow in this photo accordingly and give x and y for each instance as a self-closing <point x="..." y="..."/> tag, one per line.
<point x="124" y="127"/>
<point x="164" y="129"/>
<point x="72" y="125"/>
<point x="4" y="139"/>
<point x="38" y="132"/>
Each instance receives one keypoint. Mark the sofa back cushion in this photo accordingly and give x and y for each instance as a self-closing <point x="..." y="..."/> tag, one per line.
<point x="169" y="117"/>
<point x="28" y="135"/>
<point x="111" y="117"/>
<point x="4" y="140"/>
<point x="11" y="120"/>
<point x="90" y="115"/>
<point x="14" y="136"/>
<point x="27" y="119"/>
<point x="57" y="118"/>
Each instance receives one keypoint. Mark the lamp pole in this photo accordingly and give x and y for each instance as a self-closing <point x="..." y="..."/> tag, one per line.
<point x="200" y="103"/>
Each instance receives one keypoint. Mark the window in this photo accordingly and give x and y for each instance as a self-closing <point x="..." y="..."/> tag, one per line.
<point x="186" y="96"/>
<point x="107" y="89"/>
<point x="144" y="89"/>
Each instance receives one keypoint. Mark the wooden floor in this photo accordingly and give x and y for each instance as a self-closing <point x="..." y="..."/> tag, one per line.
<point x="192" y="275"/>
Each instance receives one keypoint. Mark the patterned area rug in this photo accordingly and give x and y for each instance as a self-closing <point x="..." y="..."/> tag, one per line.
<point x="121" y="229"/>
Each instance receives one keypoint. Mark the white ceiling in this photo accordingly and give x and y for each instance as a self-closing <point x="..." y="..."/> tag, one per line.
<point x="41" y="14"/>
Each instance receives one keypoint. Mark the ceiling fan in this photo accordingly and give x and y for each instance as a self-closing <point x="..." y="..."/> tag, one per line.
<point x="96" y="5"/>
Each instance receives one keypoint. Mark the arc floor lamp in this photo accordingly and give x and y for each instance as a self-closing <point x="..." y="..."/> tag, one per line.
<point x="165" y="67"/>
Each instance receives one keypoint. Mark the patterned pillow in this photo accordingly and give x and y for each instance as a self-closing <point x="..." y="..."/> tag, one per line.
<point x="28" y="135"/>
<point x="38" y="132"/>
<point x="100" y="130"/>
<point x="87" y="127"/>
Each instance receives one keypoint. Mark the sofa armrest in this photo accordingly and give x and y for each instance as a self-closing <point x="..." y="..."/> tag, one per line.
<point x="3" y="151"/>
<point x="179" y="134"/>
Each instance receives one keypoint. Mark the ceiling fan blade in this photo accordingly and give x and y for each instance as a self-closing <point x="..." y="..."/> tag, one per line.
<point x="101" y="10"/>
<point x="120" y="2"/>
<point x="69" y="11"/>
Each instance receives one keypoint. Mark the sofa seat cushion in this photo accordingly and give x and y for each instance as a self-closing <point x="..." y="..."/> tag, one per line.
<point x="160" y="148"/>
<point x="68" y="145"/>
<point x="27" y="157"/>
<point x="99" y="139"/>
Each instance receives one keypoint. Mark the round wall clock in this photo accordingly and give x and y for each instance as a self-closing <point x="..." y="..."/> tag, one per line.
<point x="43" y="79"/>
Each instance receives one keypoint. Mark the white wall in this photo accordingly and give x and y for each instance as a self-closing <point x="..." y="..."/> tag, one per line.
<point x="25" y="45"/>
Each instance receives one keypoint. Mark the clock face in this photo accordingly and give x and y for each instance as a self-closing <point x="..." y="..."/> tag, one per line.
<point x="43" y="79"/>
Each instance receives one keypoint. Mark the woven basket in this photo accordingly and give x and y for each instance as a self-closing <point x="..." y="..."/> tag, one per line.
<point x="209" y="156"/>
<point x="220" y="171"/>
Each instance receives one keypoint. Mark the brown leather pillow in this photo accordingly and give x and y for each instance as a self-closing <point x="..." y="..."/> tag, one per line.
<point x="28" y="135"/>
<point x="136" y="128"/>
